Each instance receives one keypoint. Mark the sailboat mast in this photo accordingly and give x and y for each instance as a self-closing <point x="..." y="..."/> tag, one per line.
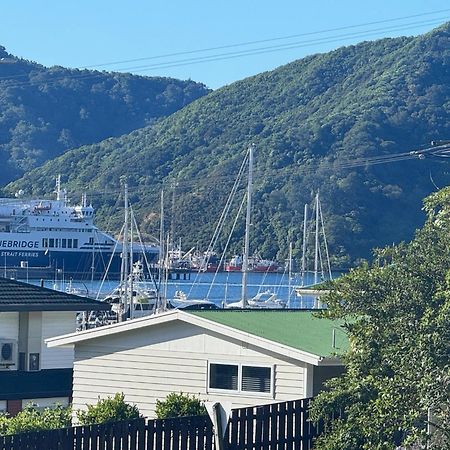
<point x="305" y="221"/>
<point x="130" y="264"/>
<point x="316" y="247"/>
<point x="124" y="269"/>
<point x="290" y="275"/>
<point x="162" y="253"/>
<point x="247" y="226"/>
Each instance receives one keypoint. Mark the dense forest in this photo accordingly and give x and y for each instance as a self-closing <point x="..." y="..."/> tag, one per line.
<point x="46" y="111"/>
<point x="308" y="119"/>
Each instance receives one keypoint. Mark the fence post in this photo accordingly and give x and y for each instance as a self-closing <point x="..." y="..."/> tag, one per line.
<point x="218" y="429"/>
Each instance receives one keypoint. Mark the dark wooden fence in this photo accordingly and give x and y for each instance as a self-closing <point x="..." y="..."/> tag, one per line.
<point x="278" y="426"/>
<point x="186" y="433"/>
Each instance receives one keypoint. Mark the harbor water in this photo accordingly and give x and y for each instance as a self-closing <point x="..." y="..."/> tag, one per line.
<point x="218" y="288"/>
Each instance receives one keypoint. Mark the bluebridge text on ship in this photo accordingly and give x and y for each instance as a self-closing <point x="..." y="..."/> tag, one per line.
<point x="19" y="244"/>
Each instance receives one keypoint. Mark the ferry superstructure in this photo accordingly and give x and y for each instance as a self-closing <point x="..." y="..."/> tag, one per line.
<point x="39" y="238"/>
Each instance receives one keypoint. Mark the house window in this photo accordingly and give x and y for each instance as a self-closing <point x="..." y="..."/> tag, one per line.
<point x="240" y="378"/>
<point x="256" y="379"/>
<point x="223" y="376"/>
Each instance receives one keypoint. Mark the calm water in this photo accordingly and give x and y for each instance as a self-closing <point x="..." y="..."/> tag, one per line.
<point x="216" y="288"/>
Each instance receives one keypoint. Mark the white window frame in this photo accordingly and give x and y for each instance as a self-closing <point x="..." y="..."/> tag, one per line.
<point x="239" y="390"/>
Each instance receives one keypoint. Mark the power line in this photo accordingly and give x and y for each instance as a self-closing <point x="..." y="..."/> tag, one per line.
<point x="440" y="151"/>
<point x="261" y="41"/>
<point x="236" y="54"/>
<point x="272" y="49"/>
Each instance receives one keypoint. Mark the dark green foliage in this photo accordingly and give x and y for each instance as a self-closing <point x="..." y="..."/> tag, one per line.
<point x="306" y="119"/>
<point x="110" y="409"/>
<point x="46" y="111"/>
<point x="179" y="405"/>
<point x="33" y="419"/>
<point x="398" y="313"/>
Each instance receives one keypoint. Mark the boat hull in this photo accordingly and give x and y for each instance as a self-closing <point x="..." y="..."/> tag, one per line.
<point x="78" y="265"/>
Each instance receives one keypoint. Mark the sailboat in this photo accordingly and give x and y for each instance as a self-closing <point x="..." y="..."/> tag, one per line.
<point x="134" y="296"/>
<point x="324" y="272"/>
<point x="263" y="300"/>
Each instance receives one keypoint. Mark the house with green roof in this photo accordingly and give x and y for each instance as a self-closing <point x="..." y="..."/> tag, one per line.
<point x="242" y="357"/>
<point x="30" y="372"/>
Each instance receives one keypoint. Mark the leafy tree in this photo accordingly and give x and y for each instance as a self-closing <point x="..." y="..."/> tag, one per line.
<point x="398" y="321"/>
<point x="110" y="409"/>
<point x="34" y="419"/>
<point x="179" y="405"/>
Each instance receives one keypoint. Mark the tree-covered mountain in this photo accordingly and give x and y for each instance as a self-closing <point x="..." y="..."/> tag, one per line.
<point x="46" y="111"/>
<point x="307" y="119"/>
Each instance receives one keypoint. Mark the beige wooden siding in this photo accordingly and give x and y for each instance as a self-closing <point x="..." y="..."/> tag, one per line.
<point x="56" y="324"/>
<point x="9" y="325"/>
<point x="149" y="364"/>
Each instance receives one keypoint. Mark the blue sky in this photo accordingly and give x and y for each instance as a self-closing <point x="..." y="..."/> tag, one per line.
<point x="89" y="33"/>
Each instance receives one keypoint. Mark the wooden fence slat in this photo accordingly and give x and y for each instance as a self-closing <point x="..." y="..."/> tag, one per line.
<point x="192" y="432"/>
<point x="78" y="437"/>
<point x="167" y="434"/>
<point x="159" y="434"/>
<point x="242" y="424"/>
<point x="290" y="437"/>
<point x="281" y="426"/>
<point x="209" y="442"/>
<point x="150" y="434"/>
<point x="141" y="434"/>
<point x="297" y="425"/>
<point x="133" y="435"/>
<point x="234" y="429"/>
<point x="201" y="435"/>
<point x="259" y="419"/>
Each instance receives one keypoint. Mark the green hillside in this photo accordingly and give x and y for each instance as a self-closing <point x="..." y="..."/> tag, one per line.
<point x="375" y="98"/>
<point x="46" y="111"/>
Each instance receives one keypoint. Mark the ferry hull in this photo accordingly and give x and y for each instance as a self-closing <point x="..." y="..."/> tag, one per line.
<point x="76" y="265"/>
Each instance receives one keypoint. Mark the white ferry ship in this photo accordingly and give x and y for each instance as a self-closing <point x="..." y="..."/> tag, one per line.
<point x="40" y="238"/>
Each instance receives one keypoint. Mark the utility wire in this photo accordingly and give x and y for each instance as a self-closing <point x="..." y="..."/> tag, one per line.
<point x="261" y="41"/>
<point x="230" y="55"/>
<point x="439" y="151"/>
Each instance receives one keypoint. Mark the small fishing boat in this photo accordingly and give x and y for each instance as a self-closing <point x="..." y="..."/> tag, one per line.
<point x="181" y="301"/>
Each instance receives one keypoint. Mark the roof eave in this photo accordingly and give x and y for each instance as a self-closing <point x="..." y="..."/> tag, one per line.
<point x="54" y="307"/>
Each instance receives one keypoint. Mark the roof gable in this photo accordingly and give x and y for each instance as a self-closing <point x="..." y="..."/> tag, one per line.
<point x="302" y="337"/>
<point x="298" y="329"/>
<point x="18" y="296"/>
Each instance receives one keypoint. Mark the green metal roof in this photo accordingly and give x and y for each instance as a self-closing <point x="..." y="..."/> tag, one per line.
<point x="298" y="329"/>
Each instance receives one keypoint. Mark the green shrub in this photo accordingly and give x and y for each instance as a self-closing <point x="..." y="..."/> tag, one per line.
<point x="33" y="419"/>
<point x="110" y="409"/>
<point x="179" y="405"/>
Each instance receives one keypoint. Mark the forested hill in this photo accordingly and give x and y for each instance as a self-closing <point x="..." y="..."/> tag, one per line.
<point x="46" y="111"/>
<point x="305" y="118"/>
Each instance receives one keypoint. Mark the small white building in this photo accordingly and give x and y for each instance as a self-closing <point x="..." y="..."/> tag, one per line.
<point x="29" y="370"/>
<point x="243" y="357"/>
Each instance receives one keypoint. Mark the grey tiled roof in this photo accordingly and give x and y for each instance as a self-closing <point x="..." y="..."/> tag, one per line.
<point x="18" y="296"/>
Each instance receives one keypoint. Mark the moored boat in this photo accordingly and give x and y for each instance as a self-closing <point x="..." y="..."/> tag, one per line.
<point x="38" y="237"/>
